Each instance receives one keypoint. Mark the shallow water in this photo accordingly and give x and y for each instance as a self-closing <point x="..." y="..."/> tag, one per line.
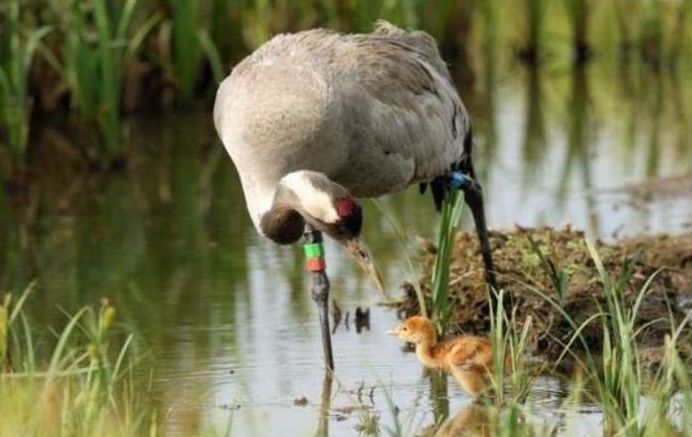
<point x="228" y="317"/>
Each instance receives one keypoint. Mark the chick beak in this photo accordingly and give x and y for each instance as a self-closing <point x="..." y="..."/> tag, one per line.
<point x="392" y="331"/>
<point x="361" y="253"/>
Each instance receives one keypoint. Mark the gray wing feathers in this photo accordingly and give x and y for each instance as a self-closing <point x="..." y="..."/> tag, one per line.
<point x="391" y="102"/>
<point x="418" y="110"/>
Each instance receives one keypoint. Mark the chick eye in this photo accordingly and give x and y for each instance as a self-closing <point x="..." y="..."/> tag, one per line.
<point x="405" y="328"/>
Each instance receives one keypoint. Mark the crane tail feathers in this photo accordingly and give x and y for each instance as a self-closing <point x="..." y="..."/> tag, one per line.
<point x="439" y="192"/>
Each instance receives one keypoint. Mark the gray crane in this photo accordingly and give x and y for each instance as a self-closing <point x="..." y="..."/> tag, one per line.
<point x="316" y="119"/>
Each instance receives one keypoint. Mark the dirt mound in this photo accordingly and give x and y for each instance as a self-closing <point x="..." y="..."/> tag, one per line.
<point x="547" y="260"/>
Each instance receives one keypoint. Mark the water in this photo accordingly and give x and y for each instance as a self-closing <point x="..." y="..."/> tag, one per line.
<point x="227" y="316"/>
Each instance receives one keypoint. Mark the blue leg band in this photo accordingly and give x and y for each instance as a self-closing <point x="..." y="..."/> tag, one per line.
<point x="458" y="180"/>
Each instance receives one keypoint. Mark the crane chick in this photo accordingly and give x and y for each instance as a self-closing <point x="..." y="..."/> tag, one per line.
<point x="467" y="358"/>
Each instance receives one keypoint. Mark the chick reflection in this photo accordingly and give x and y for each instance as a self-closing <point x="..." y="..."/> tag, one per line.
<point x="472" y="420"/>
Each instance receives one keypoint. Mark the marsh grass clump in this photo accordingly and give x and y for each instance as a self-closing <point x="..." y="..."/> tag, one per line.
<point x="524" y="270"/>
<point x="635" y="400"/>
<point x="83" y="385"/>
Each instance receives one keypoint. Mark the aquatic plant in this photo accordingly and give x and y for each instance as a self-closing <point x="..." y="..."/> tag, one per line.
<point x="620" y="376"/>
<point x="635" y="400"/>
<point x="17" y="49"/>
<point x="679" y="32"/>
<point x="650" y="39"/>
<point x="83" y="386"/>
<point x="186" y="45"/>
<point x="625" y="21"/>
<point x="94" y="69"/>
<point x="615" y="377"/>
<point x="400" y="237"/>
<point x="449" y="223"/>
<point x="534" y="25"/>
<point x="509" y="342"/>
<point x="559" y="275"/>
<point x="579" y="13"/>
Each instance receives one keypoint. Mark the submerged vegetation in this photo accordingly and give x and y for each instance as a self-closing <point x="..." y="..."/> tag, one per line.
<point x="102" y="59"/>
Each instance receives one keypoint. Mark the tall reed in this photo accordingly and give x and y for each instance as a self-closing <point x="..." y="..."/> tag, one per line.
<point x="186" y="44"/>
<point x="17" y="52"/>
<point x="449" y="223"/>
<point x="95" y="69"/>
<point x="531" y="46"/>
<point x="620" y="377"/>
<point x="634" y="400"/>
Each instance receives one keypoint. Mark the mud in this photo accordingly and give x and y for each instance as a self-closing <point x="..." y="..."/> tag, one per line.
<point x="522" y="272"/>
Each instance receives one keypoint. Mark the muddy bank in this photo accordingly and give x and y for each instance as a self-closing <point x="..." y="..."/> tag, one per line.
<point x="559" y="259"/>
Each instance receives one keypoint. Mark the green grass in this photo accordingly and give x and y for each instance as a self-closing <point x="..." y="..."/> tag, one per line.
<point x="509" y="343"/>
<point x="614" y="376"/>
<point x="17" y="52"/>
<point x="441" y="305"/>
<point x="635" y="400"/>
<point x="620" y="377"/>
<point x="84" y="384"/>
<point x="559" y="275"/>
<point x="100" y="43"/>
<point x="186" y="44"/>
<point x="97" y="46"/>
<point x="535" y="26"/>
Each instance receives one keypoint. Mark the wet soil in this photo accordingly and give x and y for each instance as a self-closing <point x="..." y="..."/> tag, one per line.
<point x="544" y="260"/>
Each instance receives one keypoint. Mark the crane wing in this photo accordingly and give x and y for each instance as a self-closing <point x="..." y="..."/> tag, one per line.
<point x="385" y="107"/>
<point x="403" y="103"/>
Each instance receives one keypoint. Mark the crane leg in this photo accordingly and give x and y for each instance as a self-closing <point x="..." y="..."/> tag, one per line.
<point x="473" y="196"/>
<point x="314" y="253"/>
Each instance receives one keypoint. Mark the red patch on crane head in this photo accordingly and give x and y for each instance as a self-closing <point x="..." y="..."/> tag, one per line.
<point x="346" y="206"/>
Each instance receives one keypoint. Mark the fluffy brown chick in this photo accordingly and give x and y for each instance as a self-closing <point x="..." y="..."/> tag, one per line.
<point x="467" y="358"/>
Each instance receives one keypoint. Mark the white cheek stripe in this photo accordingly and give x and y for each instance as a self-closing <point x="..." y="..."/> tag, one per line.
<point x="315" y="202"/>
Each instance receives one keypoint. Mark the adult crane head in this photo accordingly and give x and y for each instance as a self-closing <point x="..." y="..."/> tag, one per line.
<point x="310" y="196"/>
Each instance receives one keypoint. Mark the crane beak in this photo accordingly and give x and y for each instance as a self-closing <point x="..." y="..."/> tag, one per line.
<point x="361" y="253"/>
